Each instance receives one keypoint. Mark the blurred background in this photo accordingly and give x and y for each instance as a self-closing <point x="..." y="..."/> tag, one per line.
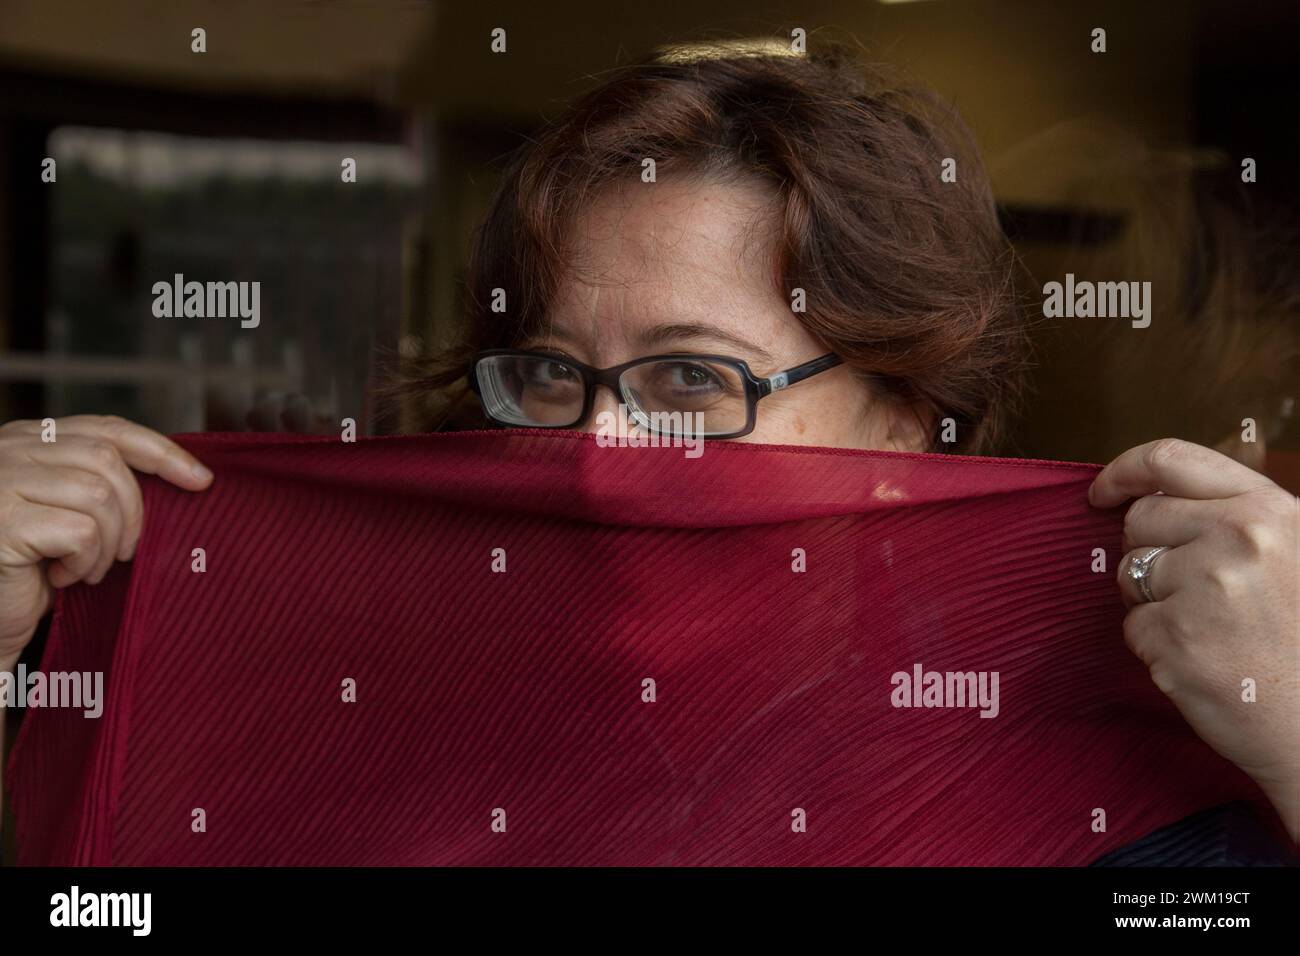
<point x="225" y="166"/>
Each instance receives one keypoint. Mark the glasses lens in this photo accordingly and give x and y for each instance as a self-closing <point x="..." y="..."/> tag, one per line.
<point x="530" y="390"/>
<point x="686" y="396"/>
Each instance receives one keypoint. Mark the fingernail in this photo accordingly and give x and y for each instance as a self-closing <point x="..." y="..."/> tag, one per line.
<point x="201" y="472"/>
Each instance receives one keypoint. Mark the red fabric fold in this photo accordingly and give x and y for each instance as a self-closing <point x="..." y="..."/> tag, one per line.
<point x="521" y="696"/>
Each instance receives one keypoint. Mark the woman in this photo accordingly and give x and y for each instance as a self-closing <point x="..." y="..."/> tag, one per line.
<point x="808" y="256"/>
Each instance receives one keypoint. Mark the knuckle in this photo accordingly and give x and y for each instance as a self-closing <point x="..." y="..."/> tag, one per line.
<point x="1165" y="678"/>
<point x="112" y="424"/>
<point x="1222" y="579"/>
<point x="1165" y="453"/>
<point x="1180" y="629"/>
<point x="1133" y="630"/>
<point x="1136" y="514"/>
<point x="98" y="491"/>
<point x="85" y="533"/>
<point x="1141" y="637"/>
<point x="103" y="453"/>
<point x="1255" y="538"/>
<point x="1252" y="528"/>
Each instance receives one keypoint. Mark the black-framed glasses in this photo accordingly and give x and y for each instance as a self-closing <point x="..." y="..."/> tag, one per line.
<point x="705" y="396"/>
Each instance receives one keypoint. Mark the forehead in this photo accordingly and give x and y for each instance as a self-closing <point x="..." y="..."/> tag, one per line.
<point x="651" y="252"/>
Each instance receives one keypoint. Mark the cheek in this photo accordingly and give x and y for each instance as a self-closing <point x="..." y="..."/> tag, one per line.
<point x="818" y="420"/>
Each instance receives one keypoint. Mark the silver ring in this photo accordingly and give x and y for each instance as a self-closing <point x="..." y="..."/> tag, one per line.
<point x="1140" y="571"/>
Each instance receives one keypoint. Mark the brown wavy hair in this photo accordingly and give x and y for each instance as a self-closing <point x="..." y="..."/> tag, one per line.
<point x="909" y="278"/>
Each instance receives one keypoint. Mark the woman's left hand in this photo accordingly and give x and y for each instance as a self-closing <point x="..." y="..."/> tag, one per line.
<point x="1226" y="606"/>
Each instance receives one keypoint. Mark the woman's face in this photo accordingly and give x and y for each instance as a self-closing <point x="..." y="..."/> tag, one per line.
<point x="687" y="267"/>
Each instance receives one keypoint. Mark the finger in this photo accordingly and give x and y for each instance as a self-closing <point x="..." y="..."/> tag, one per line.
<point x="1162" y="576"/>
<point x="143" y="449"/>
<point x="1155" y="520"/>
<point x="76" y="490"/>
<point x="1144" y="631"/>
<point x="74" y="452"/>
<point x="1174" y="467"/>
<point x="68" y="539"/>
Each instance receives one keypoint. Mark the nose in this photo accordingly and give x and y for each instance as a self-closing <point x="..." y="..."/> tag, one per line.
<point x="607" y="413"/>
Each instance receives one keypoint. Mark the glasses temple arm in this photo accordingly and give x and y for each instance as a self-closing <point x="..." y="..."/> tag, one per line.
<point x="793" y="376"/>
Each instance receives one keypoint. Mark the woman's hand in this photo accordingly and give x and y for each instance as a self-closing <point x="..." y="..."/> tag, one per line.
<point x="1226" y="606"/>
<point x="71" y="507"/>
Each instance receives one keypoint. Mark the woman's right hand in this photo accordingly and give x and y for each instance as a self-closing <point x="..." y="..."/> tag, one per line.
<point x="71" y="507"/>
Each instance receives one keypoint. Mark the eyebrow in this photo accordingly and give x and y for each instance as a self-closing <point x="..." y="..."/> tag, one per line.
<point x="693" y="331"/>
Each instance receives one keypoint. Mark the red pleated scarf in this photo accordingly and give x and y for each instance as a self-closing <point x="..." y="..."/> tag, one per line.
<point x="576" y="655"/>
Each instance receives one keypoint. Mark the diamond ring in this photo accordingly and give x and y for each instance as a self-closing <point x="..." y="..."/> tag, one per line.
<point x="1140" y="571"/>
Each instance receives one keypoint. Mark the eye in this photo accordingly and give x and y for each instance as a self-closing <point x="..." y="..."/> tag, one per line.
<point x="690" y="375"/>
<point x="545" y="372"/>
